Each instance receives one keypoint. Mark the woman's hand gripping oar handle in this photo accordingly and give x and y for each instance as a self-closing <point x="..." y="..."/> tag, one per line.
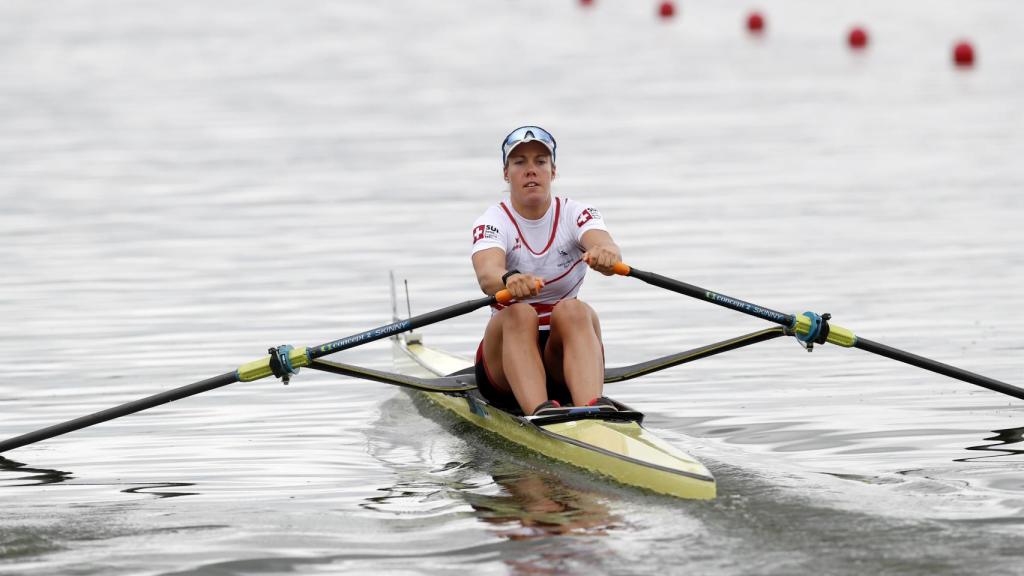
<point x="504" y="296"/>
<point x="622" y="269"/>
<point x="812" y="328"/>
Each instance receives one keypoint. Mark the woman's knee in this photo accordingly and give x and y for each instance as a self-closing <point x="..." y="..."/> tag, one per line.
<point x="520" y="316"/>
<point x="573" y="312"/>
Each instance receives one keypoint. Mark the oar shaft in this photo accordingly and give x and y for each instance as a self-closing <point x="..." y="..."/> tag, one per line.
<point x="786" y="320"/>
<point x="804" y="325"/>
<point x="939" y="367"/>
<point x="402" y="326"/>
<point x="118" y="411"/>
<point x="296" y="358"/>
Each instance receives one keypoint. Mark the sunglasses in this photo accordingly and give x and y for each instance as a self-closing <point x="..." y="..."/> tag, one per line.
<point x="525" y="134"/>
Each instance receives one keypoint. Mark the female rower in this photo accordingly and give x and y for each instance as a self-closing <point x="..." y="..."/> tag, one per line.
<point x="545" y="350"/>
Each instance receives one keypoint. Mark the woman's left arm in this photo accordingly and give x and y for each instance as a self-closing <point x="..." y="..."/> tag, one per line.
<point x="600" y="251"/>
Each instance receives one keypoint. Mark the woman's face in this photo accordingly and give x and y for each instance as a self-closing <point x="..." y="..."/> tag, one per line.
<point x="530" y="172"/>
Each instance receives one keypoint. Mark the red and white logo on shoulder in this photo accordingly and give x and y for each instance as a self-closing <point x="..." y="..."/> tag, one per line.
<point x="485" y="231"/>
<point x="586" y="216"/>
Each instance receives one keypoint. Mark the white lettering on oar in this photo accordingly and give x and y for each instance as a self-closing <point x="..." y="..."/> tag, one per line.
<point x="375" y="334"/>
<point x="746" y="307"/>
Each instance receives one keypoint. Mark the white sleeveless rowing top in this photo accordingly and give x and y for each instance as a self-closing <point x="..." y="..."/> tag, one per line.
<point x="549" y="247"/>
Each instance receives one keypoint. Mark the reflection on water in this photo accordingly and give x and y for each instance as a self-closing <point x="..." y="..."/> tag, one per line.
<point x="1002" y="438"/>
<point x="520" y="501"/>
<point x="536" y="505"/>
<point x="546" y="523"/>
<point x="35" y="477"/>
<point x="157" y="489"/>
<point x="531" y="504"/>
<point x="42" y="476"/>
<point x="518" y="504"/>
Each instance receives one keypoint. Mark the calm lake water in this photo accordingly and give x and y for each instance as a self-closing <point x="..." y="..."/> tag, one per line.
<point x="184" y="184"/>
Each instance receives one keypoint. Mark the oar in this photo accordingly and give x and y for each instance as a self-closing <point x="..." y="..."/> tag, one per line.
<point x="812" y="328"/>
<point x="282" y="362"/>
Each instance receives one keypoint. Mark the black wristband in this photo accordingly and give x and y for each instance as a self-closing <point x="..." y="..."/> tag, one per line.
<point x="505" y="276"/>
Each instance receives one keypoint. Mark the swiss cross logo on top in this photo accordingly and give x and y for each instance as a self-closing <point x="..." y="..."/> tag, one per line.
<point x="484" y="231"/>
<point x="586" y="216"/>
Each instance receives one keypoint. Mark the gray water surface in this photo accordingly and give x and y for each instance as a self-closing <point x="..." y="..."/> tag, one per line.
<point x="183" y="185"/>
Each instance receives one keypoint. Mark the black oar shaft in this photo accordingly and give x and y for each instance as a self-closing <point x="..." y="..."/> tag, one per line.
<point x="835" y="334"/>
<point x="939" y="367"/>
<point x="699" y="293"/>
<point x="118" y="411"/>
<point x="400" y="326"/>
<point x="253" y="371"/>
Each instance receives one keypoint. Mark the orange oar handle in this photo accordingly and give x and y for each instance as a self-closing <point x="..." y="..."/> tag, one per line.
<point x="504" y="296"/>
<point x="621" y="268"/>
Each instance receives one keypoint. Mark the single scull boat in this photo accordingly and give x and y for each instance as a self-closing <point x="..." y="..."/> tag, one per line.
<point x="611" y="443"/>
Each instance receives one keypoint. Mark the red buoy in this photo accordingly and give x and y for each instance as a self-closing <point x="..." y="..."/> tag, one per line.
<point x="963" y="54"/>
<point x="586" y="2"/>
<point x="858" y="38"/>
<point x="667" y="9"/>
<point x="755" y="23"/>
